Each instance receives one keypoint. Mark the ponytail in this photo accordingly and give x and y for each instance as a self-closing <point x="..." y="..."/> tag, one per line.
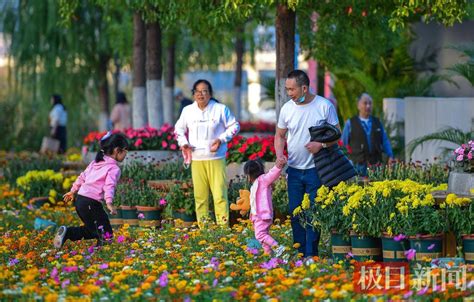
<point x="99" y="156"/>
<point x="109" y="142"/>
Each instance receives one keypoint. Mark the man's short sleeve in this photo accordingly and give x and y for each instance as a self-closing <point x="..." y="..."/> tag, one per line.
<point x="332" y="115"/>
<point x="282" y="121"/>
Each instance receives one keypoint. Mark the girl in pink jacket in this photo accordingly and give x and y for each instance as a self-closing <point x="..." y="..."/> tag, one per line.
<point x="95" y="184"/>
<point x="261" y="207"/>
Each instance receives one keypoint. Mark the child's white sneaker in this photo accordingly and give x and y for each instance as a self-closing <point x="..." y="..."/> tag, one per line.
<point x="279" y="250"/>
<point x="59" y="238"/>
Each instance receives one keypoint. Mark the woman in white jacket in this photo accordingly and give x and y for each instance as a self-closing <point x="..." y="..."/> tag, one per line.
<point x="203" y="129"/>
<point x="58" y="121"/>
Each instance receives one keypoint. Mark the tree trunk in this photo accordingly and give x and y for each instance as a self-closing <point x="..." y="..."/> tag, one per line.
<point x="285" y="47"/>
<point x="153" y="72"/>
<point x="103" y="92"/>
<point x="116" y="75"/>
<point x="239" y="53"/>
<point x="168" y="94"/>
<point x="139" y="76"/>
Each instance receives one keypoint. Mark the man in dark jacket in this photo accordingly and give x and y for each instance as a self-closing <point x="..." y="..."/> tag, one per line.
<point x="365" y="137"/>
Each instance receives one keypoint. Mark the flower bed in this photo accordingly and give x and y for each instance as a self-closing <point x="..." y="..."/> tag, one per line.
<point x="172" y="264"/>
<point x="146" y="138"/>
<point x="259" y="126"/>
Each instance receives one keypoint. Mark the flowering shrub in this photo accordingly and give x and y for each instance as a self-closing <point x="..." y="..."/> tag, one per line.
<point x="464" y="157"/>
<point x="429" y="173"/>
<point x="40" y="183"/>
<point x="131" y="192"/>
<point x="391" y="207"/>
<point x="241" y="149"/>
<point x="259" y="126"/>
<point x="181" y="198"/>
<point x="146" y="138"/>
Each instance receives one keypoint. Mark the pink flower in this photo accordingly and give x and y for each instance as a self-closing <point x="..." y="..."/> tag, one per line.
<point x="173" y="147"/>
<point x="141" y="216"/>
<point x="138" y="142"/>
<point x="469" y="155"/>
<point x="120" y="239"/>
<point x="163" y="280"/>
<point x="162" y="202"/>
<point x="399" y="237"/>
<point x="410" y="254"/>
<point x="407" y="295"/>
<point x="164" y="144"/>
<point x="460" y="157"/>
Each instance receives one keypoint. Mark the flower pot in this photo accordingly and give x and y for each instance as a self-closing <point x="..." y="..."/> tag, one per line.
<point x="340" y="246"/>
<point x="468" y="248"/>
<point x="152" y="216"/>
<point x="460" y="183"/>
<point x="116" y="220"/>
<point x="427" y="246"/>
<point x="394" y="251"/>
<point x="129" y="215"/>
<point x="186" y="219"/>
<point x="366" y="247"/>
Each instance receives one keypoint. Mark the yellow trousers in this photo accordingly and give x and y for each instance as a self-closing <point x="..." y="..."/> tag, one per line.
<point x="210" y="175"/>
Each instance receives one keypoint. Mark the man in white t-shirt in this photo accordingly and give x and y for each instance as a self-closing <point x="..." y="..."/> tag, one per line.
<point x="303" y="111"/>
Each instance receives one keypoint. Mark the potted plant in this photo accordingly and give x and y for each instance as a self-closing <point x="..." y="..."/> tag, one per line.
<point x="37" y="185"/>
<point x="460" y="212"/>
<point x="125" y="197"/>
<point x="462" y="180"/>
<point x="365" y="229"/>
<point x="181" y="201"/>
<point x="327" y="215"/>
<point x="423" y="221"/>
<point x="149" y="205"/>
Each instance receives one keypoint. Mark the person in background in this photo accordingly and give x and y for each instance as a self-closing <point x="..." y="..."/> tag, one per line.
<point x="121" y="115"/>
<point x="366" y="137"/>
<point x="183" y="101"/>
<point x="203" y="131"/>
<point x="58" y="122"/>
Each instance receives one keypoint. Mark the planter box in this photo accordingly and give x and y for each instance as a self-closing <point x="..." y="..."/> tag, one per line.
<point x="144" y="157"/>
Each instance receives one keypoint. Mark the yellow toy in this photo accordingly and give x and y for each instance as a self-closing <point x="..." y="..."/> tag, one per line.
<point x="243" y="203"/>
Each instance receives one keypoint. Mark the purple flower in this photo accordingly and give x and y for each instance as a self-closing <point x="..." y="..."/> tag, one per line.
<point x="349" y="255"/>
<point x="215" y="263"/>
<point x="163" y="202"/>
<point x="120" y="239"/>
<point x="399" y="237"/>
<point x="431" y="247"/>
<point x="104" y="266"/>
<point x="73" y="253"/>
<point x="214" y="283"/>
<point x="13" y="261"/>
<point x="272" y="263"/>
<point x="65" y="283"/>
<point x="107" y="236"/>
<point x="141" y="216"/>
<point x="100" y="227"/>
<point x="252" y="251"/>
<point x="163" y="280"/>
<point x="54" y="272"/>
<point x="90" y="249"/>
<point x="410" y="254"/>
<point x="299" y="263"/>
